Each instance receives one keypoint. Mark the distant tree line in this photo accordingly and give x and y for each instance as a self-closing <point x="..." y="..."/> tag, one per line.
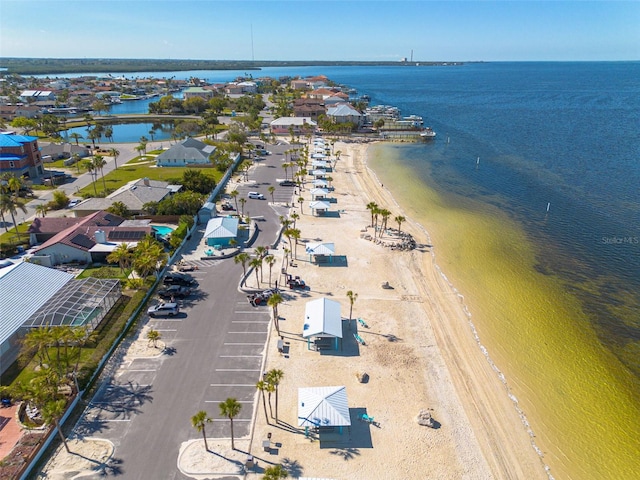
<point x="41" y="66"/>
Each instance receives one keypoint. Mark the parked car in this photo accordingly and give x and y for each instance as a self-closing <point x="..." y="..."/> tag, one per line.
<point x="257" y="195"/>
<point x="163" y="310"/>
<point x="174" y="291"/>
<point x="227" y="206"/>
<point x="287" y="183"/>
<point x="73" y="203"/>
<point x="176" y="278"/>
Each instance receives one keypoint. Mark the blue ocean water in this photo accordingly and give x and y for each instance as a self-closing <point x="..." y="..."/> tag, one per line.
<point x="527" y="137"/>
<point x="532" y="136"/>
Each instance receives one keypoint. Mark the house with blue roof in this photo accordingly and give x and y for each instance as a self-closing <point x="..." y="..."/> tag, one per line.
<point x="20" y="156"/>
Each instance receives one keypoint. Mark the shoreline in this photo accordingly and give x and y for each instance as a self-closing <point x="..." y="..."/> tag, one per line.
<point x="493" y="432"/>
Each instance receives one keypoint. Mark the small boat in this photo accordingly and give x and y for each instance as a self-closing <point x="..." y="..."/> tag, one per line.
<point x="427" y="133"/>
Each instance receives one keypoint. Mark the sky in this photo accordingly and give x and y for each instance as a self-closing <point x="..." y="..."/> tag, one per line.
<point x="372" y="30"/>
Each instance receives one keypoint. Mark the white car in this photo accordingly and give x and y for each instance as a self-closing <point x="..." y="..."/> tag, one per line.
<point x="257" y="195"/>
<point x="73" y="203"/>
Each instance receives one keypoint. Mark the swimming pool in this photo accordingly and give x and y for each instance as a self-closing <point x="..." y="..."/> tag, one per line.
<point x="162" y="230"/>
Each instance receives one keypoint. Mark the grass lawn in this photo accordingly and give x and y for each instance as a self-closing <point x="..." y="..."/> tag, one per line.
<point x="141" y="167"/>
<point x="105" y="272"/>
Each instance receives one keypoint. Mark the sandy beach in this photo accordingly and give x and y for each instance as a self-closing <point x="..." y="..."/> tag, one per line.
<point x="420" y="353"/>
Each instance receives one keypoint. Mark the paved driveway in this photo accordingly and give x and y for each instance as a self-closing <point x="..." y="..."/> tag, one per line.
<point x="215" y="351"/>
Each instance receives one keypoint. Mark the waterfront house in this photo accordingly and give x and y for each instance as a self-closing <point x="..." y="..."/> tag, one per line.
<point x="186" y="153"/>
<point x="344" y="113"/>
<point x="193" y="92"/>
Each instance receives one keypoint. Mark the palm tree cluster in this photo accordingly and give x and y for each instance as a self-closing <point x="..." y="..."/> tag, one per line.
<point x="230" y="408"/>
<point x="146" y="258"/>
<point x="383" y="214"/>
<point x="10" y="201"/>
<point x="269" y="384"/>
<point x="58" y="352"/>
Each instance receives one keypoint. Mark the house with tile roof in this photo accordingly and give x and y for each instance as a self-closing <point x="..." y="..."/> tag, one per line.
<point x="186" y="153"/>
<point x="89" y="241"/>
<point x="43" y="229"/>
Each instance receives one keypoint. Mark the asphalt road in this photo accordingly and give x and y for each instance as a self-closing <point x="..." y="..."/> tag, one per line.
<point x="215" y="351"/>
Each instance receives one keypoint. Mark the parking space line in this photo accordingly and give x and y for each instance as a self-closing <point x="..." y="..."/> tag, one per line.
<point x="235" y="419"/>
<point x="166" y="330"/>
<point x="233" y="385"/>
<point x="220" y="401"/>
<point x="141" y="370"/>
<point x="250" y="321"/>
<point x="241" y="344"/>
<point x="240" y="356"/>
<point x="250" y="311"/>
<point x="236" y="370"/>
<point x="262" y="333"/>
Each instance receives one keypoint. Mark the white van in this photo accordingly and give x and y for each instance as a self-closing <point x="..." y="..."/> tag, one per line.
<point x="257" y="195"/>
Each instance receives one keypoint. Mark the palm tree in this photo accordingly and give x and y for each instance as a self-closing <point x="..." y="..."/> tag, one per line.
<point x="11" y="203"/>
<point x="230" y="408"/>
<point x="234" y="194"/>
<point x="271" y="261"/>
<point x="385" y="214"/>
<point x="92" y="171"/>
<point x="262" y="387"/>
<point x="75" y="136"/>
<point x="76" y="160"/>
<point x="98" y="164"/>
<point x="372" y="206"/>
<point x="153" y="336"/>
<point x="300" y="201"/>
<point x="52" y="411"/>
<point x="261" y="251"/>
<point x="399" y="219"/>
<point x="256" y="263"/>
<point x="275" y="300"/>
<point x="274" y="377"/>
<point x="352" y="299"/>
<point x="198" y="421"/>
<point x="242" y="202"/>
<point x="41" y="209"/>
<point x="294" y="217"/>
<point x="275" y="472"/>
<point x="122" y="255"/>
<point x="115" y="153"/>
<point x="242" y="258"/>
<point x="272" y="189"/>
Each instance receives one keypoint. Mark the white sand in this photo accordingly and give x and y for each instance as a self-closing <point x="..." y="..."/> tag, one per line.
<point x="420" y="353"/>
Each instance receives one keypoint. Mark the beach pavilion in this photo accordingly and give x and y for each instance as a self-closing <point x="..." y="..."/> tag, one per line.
<point x="319" y="182"/>
<point x="318" y="193"/>
<point x="318" y="173"/>
<point x="322" y="323"/>
<point x="319" y="207"/>
<point x="323" y="408"/>
<point x="317" y="251"/>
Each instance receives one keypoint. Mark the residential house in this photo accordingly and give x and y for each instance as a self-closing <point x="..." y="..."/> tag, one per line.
<point x="309" y="107"/>
<point x="134" y="195"/>
<point x="192" y="92"/>
<point x="89" y="241"/>
<point x="188" y="152"/>
<point x="43" y="229"/>
<point x="299" y="126"/>
<point x="20" y="155"/>
<point x="34" y="296"/>
<point x="344" y="113"/>
<point x="31" y="96"/>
